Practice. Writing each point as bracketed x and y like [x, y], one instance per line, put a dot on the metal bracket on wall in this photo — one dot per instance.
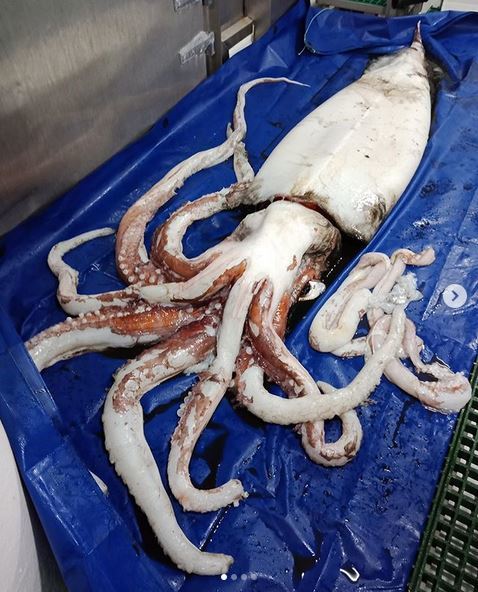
[182, 4]
[200, 44]
[238, 35]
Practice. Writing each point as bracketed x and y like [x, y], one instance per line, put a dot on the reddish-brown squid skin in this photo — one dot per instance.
[225, 279]
[106, 299]
[131, 256]
[162, 256]
[140, 319]
[310, 270]
[266, 340]
[183, 292]
[193, 340]
[169, 257]
[130, 453]
[173, 259]
[123, 325]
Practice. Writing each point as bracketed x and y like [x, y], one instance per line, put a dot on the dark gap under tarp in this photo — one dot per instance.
[301, 523]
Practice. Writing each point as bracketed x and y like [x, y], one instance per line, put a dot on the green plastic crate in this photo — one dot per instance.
[448, 556]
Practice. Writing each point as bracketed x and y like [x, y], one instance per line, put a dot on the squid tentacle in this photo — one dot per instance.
[284, 369]
[449, 393]
[129, 450]
[355, 347]
[242, 167]
[274, 357]
[206, 284]
[420, 259]
[383, 291]
[200, 405]
[311, 407]
[113, 327]
[67, 293]
[340, 452]
[166, 249]
[130, 251]
[336, 322]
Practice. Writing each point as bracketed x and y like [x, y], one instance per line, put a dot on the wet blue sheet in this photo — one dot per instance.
[301, 523]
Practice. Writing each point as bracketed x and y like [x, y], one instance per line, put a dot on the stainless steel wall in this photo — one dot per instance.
[79, 80]
[230, 11]
[265, 12]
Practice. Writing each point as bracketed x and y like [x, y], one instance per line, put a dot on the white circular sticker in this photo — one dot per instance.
[454, 295]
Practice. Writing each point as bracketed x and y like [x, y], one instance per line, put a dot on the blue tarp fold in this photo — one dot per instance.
[301, 523]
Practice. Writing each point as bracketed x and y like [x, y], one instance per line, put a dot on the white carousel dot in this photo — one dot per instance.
[131, 279]
[243, 577]
[233, 577]
[223, 577]
[142, 277]
[253, 576]
[151, 279]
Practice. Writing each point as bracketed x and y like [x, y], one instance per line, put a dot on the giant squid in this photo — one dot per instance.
[223, 313]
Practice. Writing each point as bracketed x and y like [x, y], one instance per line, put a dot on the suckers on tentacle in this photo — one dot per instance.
[111, 327]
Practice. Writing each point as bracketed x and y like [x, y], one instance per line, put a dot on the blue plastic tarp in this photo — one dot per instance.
[301, 523]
